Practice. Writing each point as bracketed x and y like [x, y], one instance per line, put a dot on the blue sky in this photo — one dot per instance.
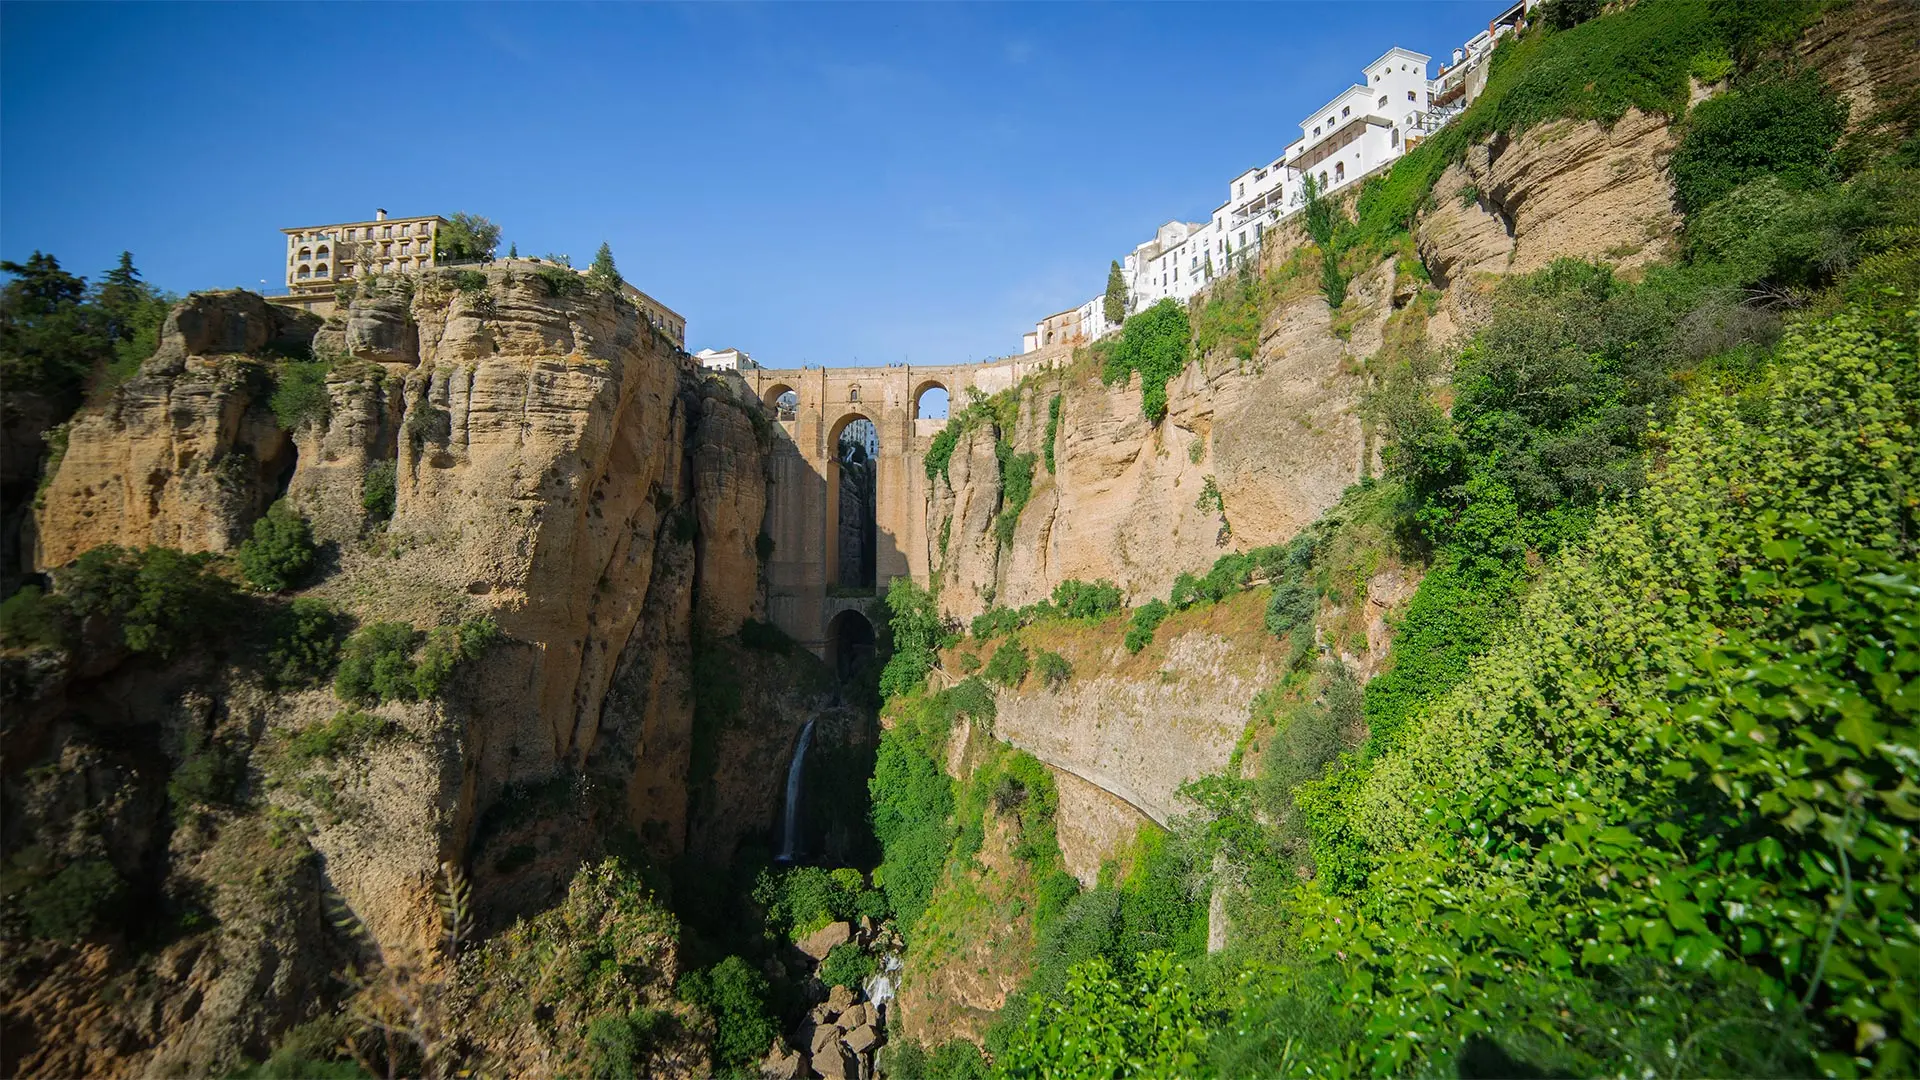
[812, 183]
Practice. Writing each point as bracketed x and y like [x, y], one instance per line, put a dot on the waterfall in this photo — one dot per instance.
[793, 793]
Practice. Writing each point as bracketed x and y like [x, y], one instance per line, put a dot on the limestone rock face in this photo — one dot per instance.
[183, 458]
[730, 499]
[1869, 54]
[1568, 189]
[226, 323]
[1278, 435]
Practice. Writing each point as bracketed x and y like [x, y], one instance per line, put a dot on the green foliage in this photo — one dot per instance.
[306, 643]
[912, 801]
[68, 903]
[376, 664]
[1227, 320]
[1682, 814]
[209, 772]
[470, 281]
[1009, 665]
[848, 965]
[914, 626]
[1016, 488]
[159, 598]
[50, 337]
[1114, 303]
[349, 732]
[940, 449]
[379, 491]
[1053, 429]
[466, 236]
[602, 275]
[734, 993]
[300, 393]
[1146, 619]
[280, 555]
[800, 900]
[1154, 344]
[561, 281]
[1768, 231]
[1103, 1025]
[29, 618]
[1325, 223]
[1054, 670]
[1077, 599]
[1785, 127]
[618, 1043]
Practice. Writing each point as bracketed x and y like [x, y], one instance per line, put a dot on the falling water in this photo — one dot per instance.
[793, 793]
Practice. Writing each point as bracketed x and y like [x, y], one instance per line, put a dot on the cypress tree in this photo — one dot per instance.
[1116, 304]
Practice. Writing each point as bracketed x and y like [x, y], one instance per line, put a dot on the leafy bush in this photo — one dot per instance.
[1053, 430]
[914, 626]
[1785, 127]
[617, 1043]
[1009, 665]
[466, 236]
[561, 282]
[29, 617]
[470, 281]
[1016, 488]
[379, 491]
[1146, 619]
[734, 993]
[306, 643]
[209, 772]
[69, 903]
[349, 732]
[300, 393]
[1082, 600]
[912, 805]
[376, 664]
[1291, 608]
[1054, 669]
[1152, 1021]
[159, 598]
[280, 554]
[448, 646]
[1154, 344]
[848, 965]
[940, 450]
[803, 899]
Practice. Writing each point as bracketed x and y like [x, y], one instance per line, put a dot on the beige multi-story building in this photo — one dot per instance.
[319, 257]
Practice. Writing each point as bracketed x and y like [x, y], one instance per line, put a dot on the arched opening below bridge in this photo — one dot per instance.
[854, 542]
[850, 644]
[782, 401]
[930, 401]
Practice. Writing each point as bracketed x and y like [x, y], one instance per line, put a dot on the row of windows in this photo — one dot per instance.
[386, 232]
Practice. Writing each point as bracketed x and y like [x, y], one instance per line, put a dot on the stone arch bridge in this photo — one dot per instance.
[805, 596]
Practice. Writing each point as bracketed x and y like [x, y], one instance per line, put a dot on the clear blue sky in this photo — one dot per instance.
[819, 183]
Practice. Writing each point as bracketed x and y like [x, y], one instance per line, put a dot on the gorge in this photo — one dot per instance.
[1502, 663]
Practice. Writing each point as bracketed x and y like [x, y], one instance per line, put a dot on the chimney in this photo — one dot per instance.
[380, 215]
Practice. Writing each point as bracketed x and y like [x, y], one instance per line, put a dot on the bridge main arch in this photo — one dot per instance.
[804, 593]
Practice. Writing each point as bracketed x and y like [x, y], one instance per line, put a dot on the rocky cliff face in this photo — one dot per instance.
[557, 466]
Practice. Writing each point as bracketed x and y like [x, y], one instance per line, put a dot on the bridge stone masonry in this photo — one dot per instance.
[806, 596]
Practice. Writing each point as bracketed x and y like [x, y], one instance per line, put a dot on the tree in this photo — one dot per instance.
[1116, 302]
[513, 251]
[467, 236]
[49, 337]
[131, 315]
[281, 552]
[602, 273]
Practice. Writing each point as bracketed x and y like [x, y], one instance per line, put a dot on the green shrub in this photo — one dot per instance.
[1146, 619]
[300, 393]
[914, 626]
[379, 491]
[349, 732]
[618, 1043]
[470, 281]
[912, 802]
[306, 643]
[29, 617]
[67, 904]
[848, 965]
[1054, 669]
[734, 993]
[209, 772]
[376, 664]
[1291, 608]
[1016, 488]
[448, 646]
[561, 281]
[1009, 665]
[1784, 126]
[940, 450]
[160, 598]
[1053, 430]
[1154, 343]
[280, 555]
[1080, 600]
[427, 423]
[801, 900]
[1152, 1020]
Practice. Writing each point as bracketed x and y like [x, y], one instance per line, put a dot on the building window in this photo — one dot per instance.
[305, 271]
[1346, 110]
[1393, 139]
[853, 392]
[1410, 97]
[1316, 133]
[386, 231]
[1329, 121]
[1339, 171]
[320, 271]
[1383, 101]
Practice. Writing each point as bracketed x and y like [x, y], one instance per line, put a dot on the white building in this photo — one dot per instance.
[724, 360]
[1361, 131]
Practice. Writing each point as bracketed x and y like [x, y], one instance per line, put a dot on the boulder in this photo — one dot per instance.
[782, 1063]
[822, 941]
[832, 1064]
[862, 1039]
[856, 1016]
[824, 1037]
[839, 999]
